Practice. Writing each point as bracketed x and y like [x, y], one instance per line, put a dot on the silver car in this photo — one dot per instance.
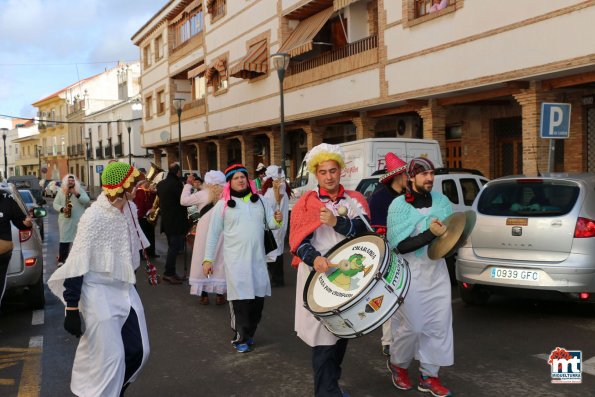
[25, 270]
[532, 233]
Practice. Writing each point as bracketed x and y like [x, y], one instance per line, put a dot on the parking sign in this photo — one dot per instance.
[555, 120]
[99, 169]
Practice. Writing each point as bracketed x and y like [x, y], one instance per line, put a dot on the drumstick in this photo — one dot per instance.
[358, 213]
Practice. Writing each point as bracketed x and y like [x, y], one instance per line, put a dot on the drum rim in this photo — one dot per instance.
[355, 299]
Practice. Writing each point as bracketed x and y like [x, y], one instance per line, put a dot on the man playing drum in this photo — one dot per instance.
[423, 324]
[393, 185]
[315, 228]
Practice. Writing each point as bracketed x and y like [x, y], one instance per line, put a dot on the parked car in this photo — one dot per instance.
[43, 183]
[535, 234]
[52, 188]
[29, 182]
[25, 270]
[460, 185]
[31, 204]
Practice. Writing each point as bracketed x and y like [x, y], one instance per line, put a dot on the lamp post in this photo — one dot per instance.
[178, 104]
[280, 63]
[87, 155]
[129, 146]
[39, 150]
[4, 131]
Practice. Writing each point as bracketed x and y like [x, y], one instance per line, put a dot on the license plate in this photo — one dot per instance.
[515, 274]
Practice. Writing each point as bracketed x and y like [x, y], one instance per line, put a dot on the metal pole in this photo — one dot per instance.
[129, 147]
[5, 160]
[179, 111]
[281, 74]
[39, 158]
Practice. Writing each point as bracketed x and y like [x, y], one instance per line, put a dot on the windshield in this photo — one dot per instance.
[368, 186]
[528, 198]
[27, 197]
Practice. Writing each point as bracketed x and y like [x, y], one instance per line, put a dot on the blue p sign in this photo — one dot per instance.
[555, 120]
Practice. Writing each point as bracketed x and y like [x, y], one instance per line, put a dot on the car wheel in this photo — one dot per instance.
[36, 297]
[474, 295]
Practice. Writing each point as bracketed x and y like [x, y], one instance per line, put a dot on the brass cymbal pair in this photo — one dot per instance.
[459, 226]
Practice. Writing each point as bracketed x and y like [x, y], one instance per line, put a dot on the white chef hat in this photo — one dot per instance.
[273, 172]
[215, 178]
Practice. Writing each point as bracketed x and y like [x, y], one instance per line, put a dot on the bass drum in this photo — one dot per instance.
[364, 287]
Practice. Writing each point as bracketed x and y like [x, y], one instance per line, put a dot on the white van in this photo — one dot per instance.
[365, 156]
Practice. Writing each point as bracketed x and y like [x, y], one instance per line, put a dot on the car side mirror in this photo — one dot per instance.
[39, 212]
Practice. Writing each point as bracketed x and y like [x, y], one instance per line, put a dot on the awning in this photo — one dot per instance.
[192, 73]
[184, 13]
[300, 40]
[338, 4]
[254, 64]
[219, 67]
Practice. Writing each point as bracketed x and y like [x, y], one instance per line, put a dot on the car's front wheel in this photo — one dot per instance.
[36, 296]
[474, 295]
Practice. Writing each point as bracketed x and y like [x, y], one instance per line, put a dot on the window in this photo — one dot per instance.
[425, 7]
[216, 75]
[160, 102]
[449, 189]
[148, 107]
[470, 189]
[188, 26]
[147, 55]
[199, 87]
[158, 47]
[216, 8]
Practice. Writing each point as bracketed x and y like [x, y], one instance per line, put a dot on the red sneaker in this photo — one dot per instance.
[432, 385]
[400, 377]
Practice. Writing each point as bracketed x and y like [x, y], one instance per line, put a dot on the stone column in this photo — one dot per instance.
[275, 146]
[434, 123]
[221, 153]
[365, 127]
[201, 157]
[535, 149]
[247, 142]
[314, 135]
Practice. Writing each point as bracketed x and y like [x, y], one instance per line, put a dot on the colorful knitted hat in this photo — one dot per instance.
[232, 169]
[324, 152]
[394, 166]
[117, 177]
[419, 165]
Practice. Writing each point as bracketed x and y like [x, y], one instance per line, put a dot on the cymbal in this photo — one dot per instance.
[455, 226]
[471, 217]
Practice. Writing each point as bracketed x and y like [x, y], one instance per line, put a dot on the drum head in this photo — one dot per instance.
[355, 263]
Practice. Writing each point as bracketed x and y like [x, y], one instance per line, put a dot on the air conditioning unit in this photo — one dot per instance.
[406, 127]
[259, 148]
[303, 141]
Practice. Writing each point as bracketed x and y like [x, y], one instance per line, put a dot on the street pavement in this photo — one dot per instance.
[499, 348]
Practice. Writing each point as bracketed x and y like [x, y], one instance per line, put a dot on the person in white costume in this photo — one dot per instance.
[205, 200]
[277, 192]
[422, 327]
[315, 229]
[241, 217]
[97, 281]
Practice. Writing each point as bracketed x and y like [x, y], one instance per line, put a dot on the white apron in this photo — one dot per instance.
[422, 327]
[99, 364]
[308, 328]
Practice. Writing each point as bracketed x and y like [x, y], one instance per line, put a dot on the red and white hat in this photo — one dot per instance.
[394, 166]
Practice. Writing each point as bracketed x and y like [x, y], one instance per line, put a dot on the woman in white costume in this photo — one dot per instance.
[277, 192]
[97, 281]
[205, 200]
[240, 217]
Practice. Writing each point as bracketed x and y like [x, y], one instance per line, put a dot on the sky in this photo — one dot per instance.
[47, 45]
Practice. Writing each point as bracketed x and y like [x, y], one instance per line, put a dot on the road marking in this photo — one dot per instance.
[38, 316]
[30, 380]
[588, 365]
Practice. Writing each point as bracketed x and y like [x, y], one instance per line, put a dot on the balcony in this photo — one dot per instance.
[108, 151]
[99, 153]
[118, 150]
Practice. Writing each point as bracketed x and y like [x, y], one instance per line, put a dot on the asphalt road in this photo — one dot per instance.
[500, 348]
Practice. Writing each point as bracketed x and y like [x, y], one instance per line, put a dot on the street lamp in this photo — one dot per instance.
[4, 130]
[129, 146]
[280, 63]
[39, 150]
[87, 155]
[178, 104]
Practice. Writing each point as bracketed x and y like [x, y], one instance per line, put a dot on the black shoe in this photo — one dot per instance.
[171, 279]
[153, 256]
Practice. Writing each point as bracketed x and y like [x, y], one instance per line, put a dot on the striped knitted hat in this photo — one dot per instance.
[117, 177]
[232, 169]
[419, 165]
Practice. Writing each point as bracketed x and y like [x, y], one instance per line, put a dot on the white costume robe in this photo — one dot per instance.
[308, 328]
[282, 231]
[198, 282]
[422, 327]
[105, 253]
[243, 246]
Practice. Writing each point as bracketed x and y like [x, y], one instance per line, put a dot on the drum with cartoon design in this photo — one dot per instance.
[364, 287]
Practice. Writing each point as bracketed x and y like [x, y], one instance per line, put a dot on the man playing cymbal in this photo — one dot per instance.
[423, 323]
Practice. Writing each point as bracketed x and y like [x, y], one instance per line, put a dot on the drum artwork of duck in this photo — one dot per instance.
[346, 269]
